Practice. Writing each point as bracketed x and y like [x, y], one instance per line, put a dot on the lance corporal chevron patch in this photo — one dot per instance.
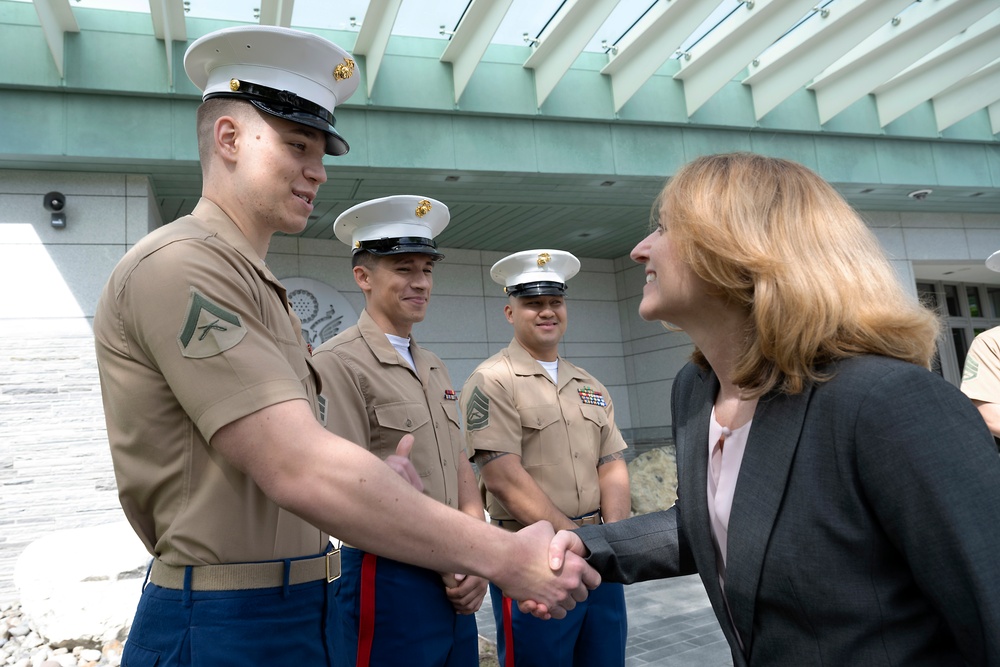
[209, 329]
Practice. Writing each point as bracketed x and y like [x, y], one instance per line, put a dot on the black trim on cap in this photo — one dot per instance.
[399, 245]
[541, 288]
[286, 104]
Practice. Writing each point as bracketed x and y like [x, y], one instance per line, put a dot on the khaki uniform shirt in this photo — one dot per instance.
[374, 398]
[194, 332]
[981, 376]
[511, 405]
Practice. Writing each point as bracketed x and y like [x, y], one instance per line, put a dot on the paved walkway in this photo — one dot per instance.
[670, 624]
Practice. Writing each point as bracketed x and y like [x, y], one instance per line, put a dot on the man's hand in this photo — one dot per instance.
[549, 592]
[565, 544]
[400, 462]
[466, 592]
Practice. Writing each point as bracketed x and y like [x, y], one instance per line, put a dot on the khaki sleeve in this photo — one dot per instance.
[981, 375]
[346, 408]
[196, 320]
[492, 423]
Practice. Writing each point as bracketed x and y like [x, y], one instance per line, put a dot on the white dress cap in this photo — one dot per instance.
[535, 272]
[287, 73]
[993, 261]
[393, 225]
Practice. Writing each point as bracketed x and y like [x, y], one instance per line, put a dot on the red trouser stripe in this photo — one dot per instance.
[508, 632]
[366, 624]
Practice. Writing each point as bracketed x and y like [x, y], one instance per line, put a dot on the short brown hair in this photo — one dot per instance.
[210, 111]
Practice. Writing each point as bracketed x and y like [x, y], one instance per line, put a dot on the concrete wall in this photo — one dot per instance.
[55, 471]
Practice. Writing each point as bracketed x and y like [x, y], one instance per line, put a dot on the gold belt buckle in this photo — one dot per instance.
[332, 563]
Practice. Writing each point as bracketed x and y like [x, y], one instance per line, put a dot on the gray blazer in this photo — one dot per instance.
[864, 528]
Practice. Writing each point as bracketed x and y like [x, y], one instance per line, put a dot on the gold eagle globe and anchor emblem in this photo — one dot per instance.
[423, 208]
[344, 70]
[543, 259]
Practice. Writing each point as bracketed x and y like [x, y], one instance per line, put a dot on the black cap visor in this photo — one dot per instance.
[288, 105]
[398, 246]
[543, 288]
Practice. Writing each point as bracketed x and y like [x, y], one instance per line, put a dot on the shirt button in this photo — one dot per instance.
[538, 421]
[409, 422]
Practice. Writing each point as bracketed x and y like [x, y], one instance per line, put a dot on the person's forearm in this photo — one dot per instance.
[365, 503]
[991, 415]
[616, 494]
[520, 495]
[527, 508]
[348, 492]
[469, 499]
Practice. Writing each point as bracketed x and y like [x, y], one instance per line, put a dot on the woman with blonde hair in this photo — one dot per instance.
[837, 498]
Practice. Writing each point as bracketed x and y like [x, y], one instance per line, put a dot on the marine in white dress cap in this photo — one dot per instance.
[535, 272]
[287, 73]
[393, 225]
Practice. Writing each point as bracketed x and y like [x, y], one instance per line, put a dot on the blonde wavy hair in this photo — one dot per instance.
[775, 238]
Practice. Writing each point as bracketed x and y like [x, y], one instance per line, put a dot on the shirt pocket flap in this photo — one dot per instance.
[406, 417]
[539, 416]
[451, 411]
[595, 414]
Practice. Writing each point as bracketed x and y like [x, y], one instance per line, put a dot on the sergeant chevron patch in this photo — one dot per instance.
[477, 412]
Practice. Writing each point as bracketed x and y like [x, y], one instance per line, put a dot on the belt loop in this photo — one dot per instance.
[330, 575]
[186, 595]
[286, 574]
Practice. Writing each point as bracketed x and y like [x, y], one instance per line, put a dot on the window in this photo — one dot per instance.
[972, 298]
[993, 296]
[951, 298]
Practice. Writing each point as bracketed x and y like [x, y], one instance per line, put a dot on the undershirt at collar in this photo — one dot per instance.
[402, 346]
[552, 368]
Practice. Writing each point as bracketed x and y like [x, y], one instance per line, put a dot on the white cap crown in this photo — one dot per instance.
[535, 272]
[393, 225]
[288, 73]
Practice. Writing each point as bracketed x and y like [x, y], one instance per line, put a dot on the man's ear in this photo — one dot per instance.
[509, 313]
[363, 277]
[227, 129]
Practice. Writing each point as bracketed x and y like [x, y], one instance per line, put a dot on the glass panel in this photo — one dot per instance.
[993, 296]
[961, 347]
[972, 294]
[951, 298]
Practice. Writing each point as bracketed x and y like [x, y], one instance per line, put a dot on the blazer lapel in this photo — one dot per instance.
[692, 474]
[767, 461]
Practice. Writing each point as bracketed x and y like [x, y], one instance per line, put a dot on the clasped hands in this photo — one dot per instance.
[549, 577]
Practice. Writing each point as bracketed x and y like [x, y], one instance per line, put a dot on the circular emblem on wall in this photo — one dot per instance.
[324, 311]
